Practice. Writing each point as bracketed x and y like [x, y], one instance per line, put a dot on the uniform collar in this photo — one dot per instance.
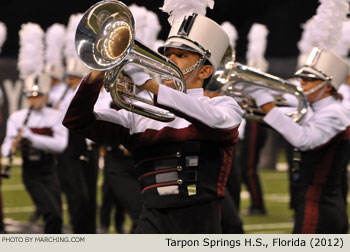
[323, 103]
[195, 92]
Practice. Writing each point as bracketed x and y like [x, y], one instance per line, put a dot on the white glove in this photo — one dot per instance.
[260, 95]
[137, 74]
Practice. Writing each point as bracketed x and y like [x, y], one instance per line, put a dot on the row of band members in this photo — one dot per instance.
[181, 176]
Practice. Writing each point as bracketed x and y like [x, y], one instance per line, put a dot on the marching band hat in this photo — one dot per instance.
[31, 60]
[200, 34]
[324, 65]
[36, 85]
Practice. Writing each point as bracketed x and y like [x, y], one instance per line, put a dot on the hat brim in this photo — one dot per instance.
[309, 72]
[33, 94]
[177, 45]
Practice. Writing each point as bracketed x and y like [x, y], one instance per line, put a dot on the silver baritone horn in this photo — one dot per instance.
[234, 77]
[105, 41]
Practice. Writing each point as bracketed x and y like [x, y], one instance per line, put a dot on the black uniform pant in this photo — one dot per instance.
[328, 216]
[45, 192]
[235, 178]
[2, 226]
[93, 155]
[345, 184]
[73, 178]
[292, 175]
[254, 139]
[201, 218]
[121, 182]
[109, 201]
[345, 188]
[230, 219]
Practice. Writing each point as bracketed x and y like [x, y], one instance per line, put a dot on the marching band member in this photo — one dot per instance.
[322, 138]
[254, 133]
[3, 34]
[37, 131]
[230, 219]
[234, 182]
[54, 41]
[304, 47]
[344, 90]
[322, 143]
[121, 185]
[343, 48]
[73, 162]
[183, 165]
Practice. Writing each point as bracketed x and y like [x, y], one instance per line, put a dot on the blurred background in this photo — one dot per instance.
[282, 18]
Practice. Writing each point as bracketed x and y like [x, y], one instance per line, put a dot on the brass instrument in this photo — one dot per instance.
[105, 41]
[234, 77]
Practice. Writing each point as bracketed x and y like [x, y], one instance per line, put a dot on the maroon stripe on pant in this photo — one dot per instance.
[225, 170]
[251, 162]
[313, 194]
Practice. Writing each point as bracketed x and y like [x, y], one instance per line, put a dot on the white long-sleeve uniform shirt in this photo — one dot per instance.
[56, 93]
[218, 114]
[344, 90]
[44, 130]
[102, 102]
[324, 120]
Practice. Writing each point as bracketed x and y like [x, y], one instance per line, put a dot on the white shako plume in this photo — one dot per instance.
[231, 32]
[324, 33]
[3, 34]
[69, 49]
[74, 65]
[305, 43]
[54, 49]
[147, 24]
[343, 46]
[180, 8]
[257, 42]
[31, 51]
[325, 28]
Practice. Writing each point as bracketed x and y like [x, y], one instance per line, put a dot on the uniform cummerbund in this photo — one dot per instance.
[179, 174]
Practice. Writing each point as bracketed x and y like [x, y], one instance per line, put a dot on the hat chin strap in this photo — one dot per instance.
[196, 66]
[313, 90]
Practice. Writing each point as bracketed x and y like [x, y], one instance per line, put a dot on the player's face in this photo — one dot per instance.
[308, 84]
[37, 102]
[183, 59]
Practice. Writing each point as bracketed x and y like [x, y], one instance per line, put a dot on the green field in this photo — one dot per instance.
[18, 205]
